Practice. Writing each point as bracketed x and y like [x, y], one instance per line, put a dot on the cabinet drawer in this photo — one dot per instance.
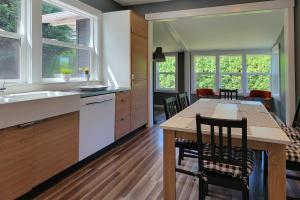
[122, 126]
[122, 104]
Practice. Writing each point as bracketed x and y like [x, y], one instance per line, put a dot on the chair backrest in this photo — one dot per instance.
[204, 92]
[296, 121]
[171, 107]
[183, 101]
[228, 94]
[221, 150]
[260, 94]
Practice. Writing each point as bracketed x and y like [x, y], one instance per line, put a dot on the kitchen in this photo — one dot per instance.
[68, 116]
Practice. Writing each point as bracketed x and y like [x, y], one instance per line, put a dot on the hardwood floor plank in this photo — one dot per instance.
[134, 171]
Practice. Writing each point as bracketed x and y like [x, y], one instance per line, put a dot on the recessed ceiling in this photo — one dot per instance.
[135, 2]
[258, 30]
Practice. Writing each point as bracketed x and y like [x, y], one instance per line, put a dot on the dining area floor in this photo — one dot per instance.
[134, 171]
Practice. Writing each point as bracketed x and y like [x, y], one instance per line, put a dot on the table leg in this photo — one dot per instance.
[277, 172]
[169, 165]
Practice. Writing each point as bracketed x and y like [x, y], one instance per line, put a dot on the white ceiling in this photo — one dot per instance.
[258, 30]
[135, 2]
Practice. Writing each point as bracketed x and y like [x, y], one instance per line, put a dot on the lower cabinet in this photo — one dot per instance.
[56, 142]
[122, 124]
[15, 161]
[32, 153]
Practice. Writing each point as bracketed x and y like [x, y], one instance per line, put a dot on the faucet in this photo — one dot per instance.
[2, 89]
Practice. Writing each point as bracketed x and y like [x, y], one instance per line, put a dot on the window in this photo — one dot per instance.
[231, 68]
[244, 70]
[166, 74]
[10, 40]
[205, 71]
[66, 41]
[259, 72]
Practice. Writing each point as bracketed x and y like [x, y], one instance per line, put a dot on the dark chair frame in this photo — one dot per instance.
[228, 94]
[183, 101]
[217, 141]
[172, 107]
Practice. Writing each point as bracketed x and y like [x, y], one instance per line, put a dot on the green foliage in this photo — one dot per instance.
[48, 8]
[169, 65]
[259, 82]
[231, 82]
[231, 63]
[205, 63]
[64, 70]
[206, 81]
[258, 63]
[9, 12]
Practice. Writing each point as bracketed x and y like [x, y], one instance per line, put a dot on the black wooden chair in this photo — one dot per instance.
[228, 94]
[220, 163]
[183, 101]
[187, 148]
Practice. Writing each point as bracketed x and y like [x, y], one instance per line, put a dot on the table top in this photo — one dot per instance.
[262, 126]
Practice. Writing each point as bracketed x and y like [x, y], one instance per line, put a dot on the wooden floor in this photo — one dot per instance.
[133, 171]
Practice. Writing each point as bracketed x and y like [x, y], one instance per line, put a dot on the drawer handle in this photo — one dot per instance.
[123, 100]
[122, 119]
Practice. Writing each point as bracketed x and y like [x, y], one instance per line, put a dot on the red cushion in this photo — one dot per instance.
[261, 94]
[204, 92]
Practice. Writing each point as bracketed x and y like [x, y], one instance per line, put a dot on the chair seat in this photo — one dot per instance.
[229, 169]
[293, 152]
[291, 132]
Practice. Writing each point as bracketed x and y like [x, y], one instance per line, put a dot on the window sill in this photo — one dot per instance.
[166, 91]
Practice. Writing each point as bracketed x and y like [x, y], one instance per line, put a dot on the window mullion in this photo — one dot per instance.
[244, 75]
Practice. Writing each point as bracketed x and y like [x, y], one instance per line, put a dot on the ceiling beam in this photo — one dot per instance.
[182, 45]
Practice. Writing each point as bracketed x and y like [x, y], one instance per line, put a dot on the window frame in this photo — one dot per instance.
[194, 74]
[20, 35]
[89, 47]
[156, 77]
[244, 75]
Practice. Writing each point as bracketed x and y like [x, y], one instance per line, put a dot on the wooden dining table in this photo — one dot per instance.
[263, 134]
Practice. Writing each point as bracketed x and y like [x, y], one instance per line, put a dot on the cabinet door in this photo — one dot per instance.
[122, 126]
[139, 102]
[15, 162]
[55, 146]
[139, 57]
[139, 25]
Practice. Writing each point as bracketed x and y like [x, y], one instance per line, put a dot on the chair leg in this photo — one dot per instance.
[180, 157]
[201, 189]
[245, 192]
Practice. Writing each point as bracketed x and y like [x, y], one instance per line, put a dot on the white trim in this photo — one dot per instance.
[156, 78]
[237, 8]
[65, 44]
[289, 38]
[150, 75]
[10, 35]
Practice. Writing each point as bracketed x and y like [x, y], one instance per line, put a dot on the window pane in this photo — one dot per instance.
[206, 81]
[168, 66]
[10, 14]
[259, 82]
[259, 63]
[64, 25]
[56, 58]
[231, 82]
[167, 81]
[9, 58]
[231, 63]
[205, 63]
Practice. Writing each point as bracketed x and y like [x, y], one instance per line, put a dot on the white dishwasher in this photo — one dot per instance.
[97, 124]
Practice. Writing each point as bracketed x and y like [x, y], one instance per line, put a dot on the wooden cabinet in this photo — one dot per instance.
[122, 124]
[139, 71]
[34, 152]
[126, 60]
[15, 161]
[56, 142]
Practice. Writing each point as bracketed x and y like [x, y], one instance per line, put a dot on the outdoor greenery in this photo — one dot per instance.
[9, 12]
[167, 73]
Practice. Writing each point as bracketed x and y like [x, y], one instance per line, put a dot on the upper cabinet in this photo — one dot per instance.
[125, 48]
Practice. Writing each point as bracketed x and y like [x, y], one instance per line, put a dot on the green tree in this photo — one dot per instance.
[9, 12]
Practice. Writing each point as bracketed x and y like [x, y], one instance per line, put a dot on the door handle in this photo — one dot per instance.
[98, 102]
